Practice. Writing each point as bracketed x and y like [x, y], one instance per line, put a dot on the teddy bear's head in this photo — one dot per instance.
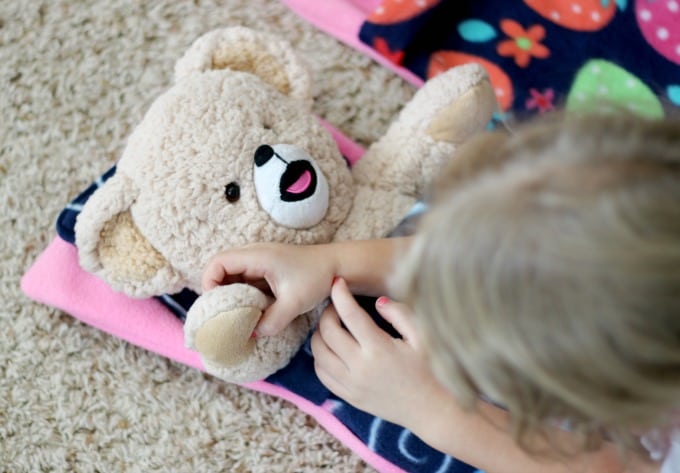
[231, 154]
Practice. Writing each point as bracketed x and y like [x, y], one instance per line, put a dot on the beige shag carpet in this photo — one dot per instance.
[75, 78]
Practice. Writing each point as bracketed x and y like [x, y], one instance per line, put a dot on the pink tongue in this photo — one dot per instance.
[301, 184]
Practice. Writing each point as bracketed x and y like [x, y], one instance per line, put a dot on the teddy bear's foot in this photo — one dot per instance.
[220, 327]
[235, 326]
[220, 323]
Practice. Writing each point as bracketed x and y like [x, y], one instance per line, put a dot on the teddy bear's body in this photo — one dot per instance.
[231, 155]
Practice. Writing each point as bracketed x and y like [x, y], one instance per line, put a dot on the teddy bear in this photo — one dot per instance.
[232, 154]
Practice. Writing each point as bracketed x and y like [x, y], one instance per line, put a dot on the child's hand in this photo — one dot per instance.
[299, 277]
[367, 367]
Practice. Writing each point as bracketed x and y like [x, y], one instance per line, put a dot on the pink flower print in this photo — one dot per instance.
[543, 102]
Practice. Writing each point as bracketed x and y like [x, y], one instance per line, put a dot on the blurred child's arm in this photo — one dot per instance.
[482, 438]
[365, 265]
[391, 379]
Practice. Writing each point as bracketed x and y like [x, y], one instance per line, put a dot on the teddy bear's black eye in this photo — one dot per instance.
[232, 192]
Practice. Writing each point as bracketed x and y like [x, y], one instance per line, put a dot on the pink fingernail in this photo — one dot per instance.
[382, 300]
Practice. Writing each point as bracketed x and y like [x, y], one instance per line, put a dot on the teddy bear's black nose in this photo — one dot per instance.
[263, 153]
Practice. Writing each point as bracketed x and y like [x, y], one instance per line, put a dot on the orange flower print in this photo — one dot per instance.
[524, 44]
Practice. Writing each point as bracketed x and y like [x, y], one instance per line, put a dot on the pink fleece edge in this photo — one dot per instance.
[57, 280]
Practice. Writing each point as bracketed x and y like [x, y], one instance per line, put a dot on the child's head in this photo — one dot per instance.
[547, 274]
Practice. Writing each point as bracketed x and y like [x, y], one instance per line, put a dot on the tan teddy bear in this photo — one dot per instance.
[230, 155]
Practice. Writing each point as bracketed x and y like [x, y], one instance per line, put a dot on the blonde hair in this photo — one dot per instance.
[546, 276]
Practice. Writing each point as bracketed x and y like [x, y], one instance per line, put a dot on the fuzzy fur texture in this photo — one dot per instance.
[238, 118]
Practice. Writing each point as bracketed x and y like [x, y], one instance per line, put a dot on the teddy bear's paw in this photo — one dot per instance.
[220, 327]
[227, 338]
[267, 355]
[220, 323]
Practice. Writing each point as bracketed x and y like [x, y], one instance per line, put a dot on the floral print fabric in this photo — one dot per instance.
[543, 54]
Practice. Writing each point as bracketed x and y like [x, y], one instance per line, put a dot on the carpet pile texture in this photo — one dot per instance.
[76, 76]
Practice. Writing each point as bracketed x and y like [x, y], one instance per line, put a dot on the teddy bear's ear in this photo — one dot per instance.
[111, 246]
[242, 49]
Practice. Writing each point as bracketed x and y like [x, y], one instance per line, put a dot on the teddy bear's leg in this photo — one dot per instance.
[220, 327]
[442, 115]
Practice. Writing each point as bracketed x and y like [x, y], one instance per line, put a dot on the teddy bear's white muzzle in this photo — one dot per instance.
[290, 186]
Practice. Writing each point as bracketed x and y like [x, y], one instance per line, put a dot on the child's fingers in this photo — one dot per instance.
[231, 266]
[400, 317]
[355, 318]
[328, 366]
[213, 275]
[277, 317]
[336, 337]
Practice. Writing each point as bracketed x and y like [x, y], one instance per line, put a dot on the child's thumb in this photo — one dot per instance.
[399, 316]
[275, 318]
